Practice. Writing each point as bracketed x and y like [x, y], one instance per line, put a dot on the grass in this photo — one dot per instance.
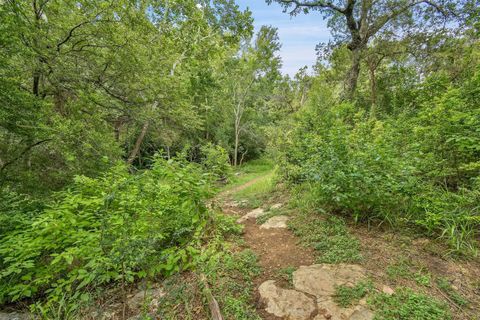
[403, 269]
[286, 274]
[249, 171]
[444, 285]
[346, 296]
[231, 278]
[330, 237]
[405, 304]
[255, 194]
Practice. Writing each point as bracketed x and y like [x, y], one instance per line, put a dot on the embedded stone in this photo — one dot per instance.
[387, 290]
[276, 206]
[286, 303]
[320, 279]
[252, 214]
[276, 222]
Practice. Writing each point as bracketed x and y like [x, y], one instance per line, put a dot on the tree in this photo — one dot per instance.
[251, 78]
[357, 22]
[78, 80]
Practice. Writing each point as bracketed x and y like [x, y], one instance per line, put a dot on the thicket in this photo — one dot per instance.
[417, 166]
[116, 228]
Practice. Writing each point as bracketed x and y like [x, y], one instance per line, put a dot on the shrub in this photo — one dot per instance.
[115, 228]
[215, 161]
[16, 210]
[418, 168]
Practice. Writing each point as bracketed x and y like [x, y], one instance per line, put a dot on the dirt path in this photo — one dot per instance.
[281, 256]
[229, 192]
[277, 250]
[292, 287]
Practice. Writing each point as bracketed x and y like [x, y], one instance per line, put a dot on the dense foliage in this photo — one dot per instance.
[413, 160]
[118, 120]
[114, 228]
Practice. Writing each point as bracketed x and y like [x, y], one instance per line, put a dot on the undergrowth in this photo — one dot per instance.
[405, 304]
[346, 296]
[229, 274]
[286, 274]
[444, 285]
[329, 236]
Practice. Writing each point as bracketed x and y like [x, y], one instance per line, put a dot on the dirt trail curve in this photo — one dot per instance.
[309, 293]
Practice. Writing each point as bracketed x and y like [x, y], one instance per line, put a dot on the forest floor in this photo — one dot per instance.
[315, 266]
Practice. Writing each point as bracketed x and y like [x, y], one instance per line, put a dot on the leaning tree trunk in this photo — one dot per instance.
[138, 143]
[352, 76]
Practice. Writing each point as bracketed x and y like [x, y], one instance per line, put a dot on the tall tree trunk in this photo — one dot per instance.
[352, 76]
[138, 143]
[237, 139]
[36, 83]
[117, 125]
[373, 92]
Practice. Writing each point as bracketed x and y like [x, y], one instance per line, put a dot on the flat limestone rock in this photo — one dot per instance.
[329, 310]
[252, 214]
[275, 223]
[362, 313]
[320, 279]
[286, 303]
[15, 316]
[317, 279]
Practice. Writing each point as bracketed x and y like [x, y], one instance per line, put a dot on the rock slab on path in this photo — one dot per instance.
[289, 304]
[276, 222]
[319, 281]
[252, 214]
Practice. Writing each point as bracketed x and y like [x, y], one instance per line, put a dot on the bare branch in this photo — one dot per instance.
[312, 4]
[6, 164]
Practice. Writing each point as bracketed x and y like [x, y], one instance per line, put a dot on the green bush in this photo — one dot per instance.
[215, 160]
[16, 210]
[417, 168]
[119, 227]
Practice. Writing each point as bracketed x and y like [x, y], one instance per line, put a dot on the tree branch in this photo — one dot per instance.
[6, 164]
[311, 4]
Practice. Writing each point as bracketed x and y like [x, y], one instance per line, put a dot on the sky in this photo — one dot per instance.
[299, 35]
